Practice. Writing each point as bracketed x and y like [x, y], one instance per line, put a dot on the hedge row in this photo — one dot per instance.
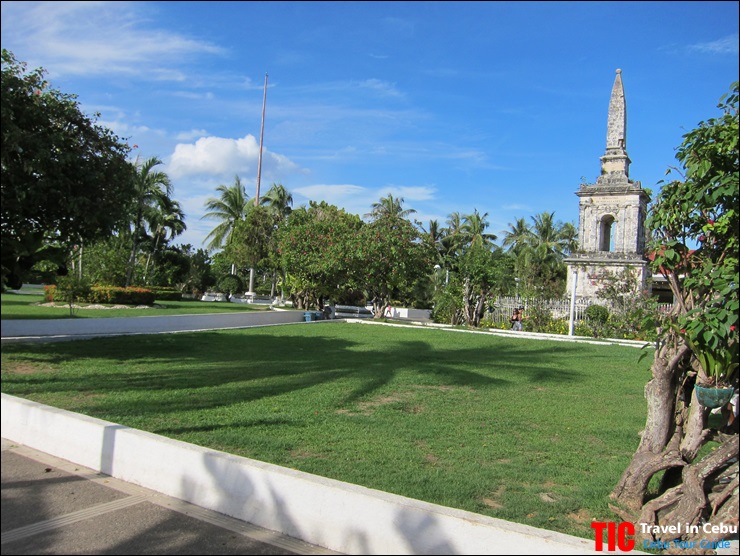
[166, 294]
[101, 294]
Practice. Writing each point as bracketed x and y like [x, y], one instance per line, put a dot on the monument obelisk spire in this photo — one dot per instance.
[615, 163]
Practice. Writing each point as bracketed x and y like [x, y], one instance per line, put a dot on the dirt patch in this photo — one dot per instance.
[595, 440]
[548, 497]
[26, 368]
[492, 504]
[367, 407]
[304, 454]
[492, 501]
[581, 516]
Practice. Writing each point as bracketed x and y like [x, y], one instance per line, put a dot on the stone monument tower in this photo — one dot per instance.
[611, 227]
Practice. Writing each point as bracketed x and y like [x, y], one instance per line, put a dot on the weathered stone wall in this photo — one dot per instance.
[627, 206]
[589, 271]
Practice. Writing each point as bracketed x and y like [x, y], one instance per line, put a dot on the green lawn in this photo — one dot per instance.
[29, 306]
[536, 432]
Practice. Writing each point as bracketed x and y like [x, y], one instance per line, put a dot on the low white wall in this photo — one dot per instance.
[343, 517]
[407, 313]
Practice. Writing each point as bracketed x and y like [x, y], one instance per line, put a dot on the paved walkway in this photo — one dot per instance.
[52, 506]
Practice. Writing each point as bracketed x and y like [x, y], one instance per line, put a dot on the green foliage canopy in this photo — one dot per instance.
[318, 249]
[64, 178]
[702, 209]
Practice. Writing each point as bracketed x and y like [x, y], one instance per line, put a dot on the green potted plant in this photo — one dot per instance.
[713, 339]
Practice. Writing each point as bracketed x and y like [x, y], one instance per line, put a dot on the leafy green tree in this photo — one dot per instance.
[699, 209]
[319, 251]
[252, 242]
[200, 276]
[64, 178]
[392, 259]
[106, 261]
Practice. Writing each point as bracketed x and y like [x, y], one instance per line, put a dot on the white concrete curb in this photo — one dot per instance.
[513, 334]
[340, 516]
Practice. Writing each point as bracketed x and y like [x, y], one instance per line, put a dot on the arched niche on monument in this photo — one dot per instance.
[606, 239]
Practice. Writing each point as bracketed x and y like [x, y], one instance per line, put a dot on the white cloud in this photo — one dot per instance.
[214, 156]
[334, 194]
[192, 134]
[725, 45]
[517, 207]
[220, 156]
[409, 193]
[109, 38]
[383, 88]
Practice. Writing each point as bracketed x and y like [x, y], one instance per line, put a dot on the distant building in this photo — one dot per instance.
[611, 227]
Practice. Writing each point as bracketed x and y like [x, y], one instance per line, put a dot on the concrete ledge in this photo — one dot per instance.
[340, 516]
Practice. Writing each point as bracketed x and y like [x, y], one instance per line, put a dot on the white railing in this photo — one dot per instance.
[559, 308]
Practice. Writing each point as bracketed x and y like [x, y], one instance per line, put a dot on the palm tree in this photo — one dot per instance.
[548, 237]
[231, 207]
[517, 237]
[473, 230]
[547, 244]
[278, 200]
[569, 234]
[453, 239]
[168, 219]
[151, 187]
[389, 206]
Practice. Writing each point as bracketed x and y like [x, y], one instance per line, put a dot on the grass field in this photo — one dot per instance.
[30, 306]
[536, 432]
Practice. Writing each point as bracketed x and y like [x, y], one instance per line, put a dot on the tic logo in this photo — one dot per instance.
[616, 535]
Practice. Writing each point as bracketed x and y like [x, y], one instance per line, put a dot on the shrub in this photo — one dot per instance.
[70, 290]
[230, 284]
[537, 319]
[597, 313]
[166, 294]
[121, 296]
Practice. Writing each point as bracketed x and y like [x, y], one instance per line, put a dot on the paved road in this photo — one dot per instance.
[75, 329]
[52, 506]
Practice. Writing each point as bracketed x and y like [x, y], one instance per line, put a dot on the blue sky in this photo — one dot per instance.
[453, 106]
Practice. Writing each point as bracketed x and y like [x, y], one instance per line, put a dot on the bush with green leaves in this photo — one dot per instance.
[230, 284]
[597, 313]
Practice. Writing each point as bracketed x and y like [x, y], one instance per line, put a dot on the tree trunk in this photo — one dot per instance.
[674, 433]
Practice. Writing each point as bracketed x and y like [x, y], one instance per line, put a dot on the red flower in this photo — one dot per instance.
[732, 328]
[710, 221]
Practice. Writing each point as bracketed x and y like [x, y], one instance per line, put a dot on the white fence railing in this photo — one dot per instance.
[559, 308]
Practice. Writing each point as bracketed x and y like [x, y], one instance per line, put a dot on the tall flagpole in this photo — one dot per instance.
[259, 175]
[262, 134]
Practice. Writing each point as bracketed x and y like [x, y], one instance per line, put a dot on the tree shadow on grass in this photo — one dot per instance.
[194, 371]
